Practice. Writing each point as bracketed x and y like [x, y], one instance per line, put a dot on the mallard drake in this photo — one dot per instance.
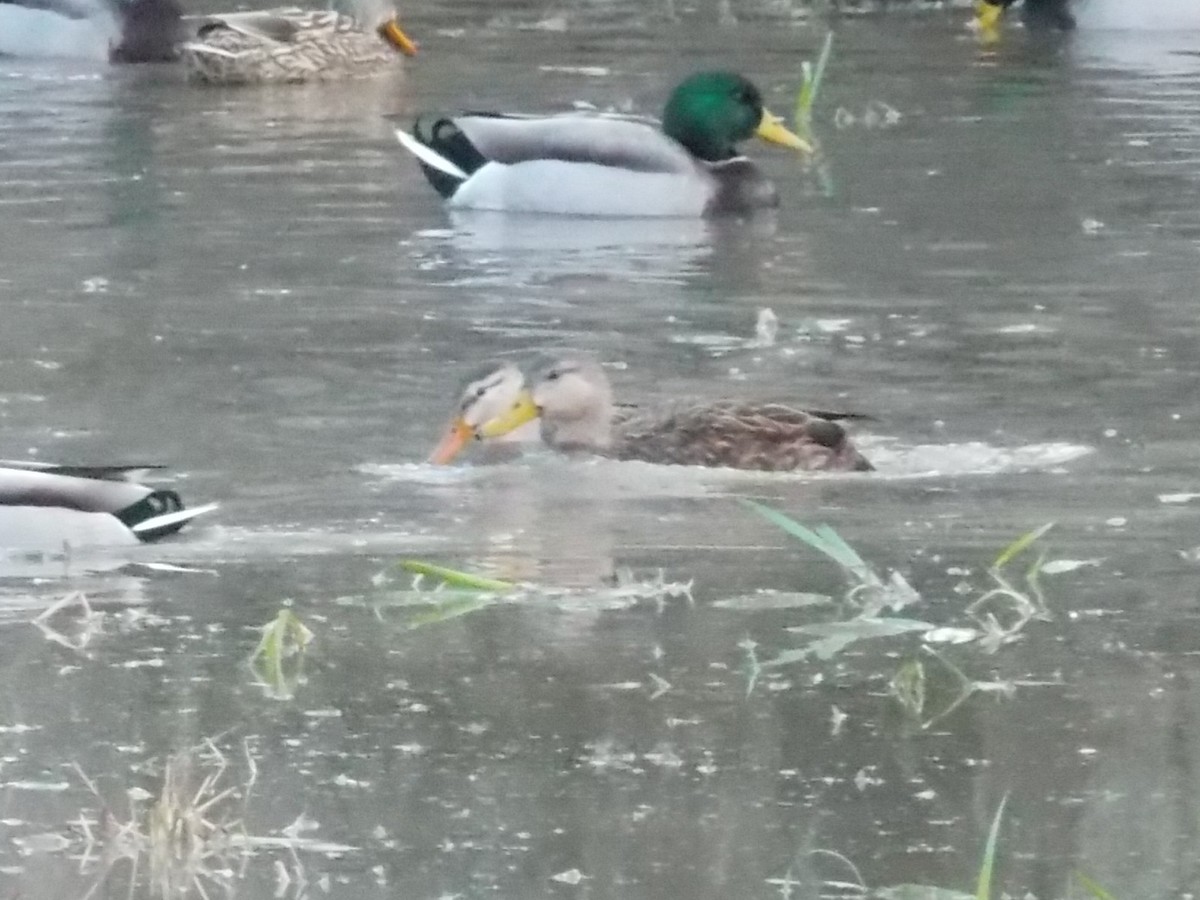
[126, 31]
[1043, 13]
[105, 503]
[572, 397]
[608, 165]
[294, 45]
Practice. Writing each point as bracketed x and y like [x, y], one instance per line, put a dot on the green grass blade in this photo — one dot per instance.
[819, 72]
[804, 98]
[1016, 547]
[983, 889]
[822, 539]
[1092, 888]
[454, 578]
[452, 608]
[792, 527]
[847, 555]
[810, 85]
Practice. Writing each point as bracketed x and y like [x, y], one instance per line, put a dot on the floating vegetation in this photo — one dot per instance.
[83, 627]
[456, 593]
[869, 594]
[995, 617]
[278, 660]
[1092, 888]
[191, 834]
[453, 577]
[185, 833]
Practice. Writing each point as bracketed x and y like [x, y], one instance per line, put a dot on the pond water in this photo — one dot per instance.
[996, 258]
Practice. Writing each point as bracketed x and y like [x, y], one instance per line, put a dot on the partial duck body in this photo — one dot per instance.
[293, 45]
[284, 45]
[45, 506]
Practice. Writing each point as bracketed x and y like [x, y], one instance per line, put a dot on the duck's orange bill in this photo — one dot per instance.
[394, 35]
[456, 437]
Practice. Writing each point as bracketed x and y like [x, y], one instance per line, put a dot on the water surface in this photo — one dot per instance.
[257, 288]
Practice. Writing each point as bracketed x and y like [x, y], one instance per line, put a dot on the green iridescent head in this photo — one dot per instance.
[710, 113]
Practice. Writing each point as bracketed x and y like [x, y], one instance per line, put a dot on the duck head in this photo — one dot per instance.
[380, 15]
[572, 397]
[488, 393]
[710, 113]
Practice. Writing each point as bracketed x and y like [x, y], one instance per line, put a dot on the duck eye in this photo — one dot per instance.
[480, 391]
[553, 375]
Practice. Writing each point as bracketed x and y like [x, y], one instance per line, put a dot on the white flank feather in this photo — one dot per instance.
[429, 157]
[171, 518]
[584, 189]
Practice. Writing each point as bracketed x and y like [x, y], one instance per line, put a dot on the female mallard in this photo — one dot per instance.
[608, 165]
[294, 45]
[52, 505]
[572, 397]
[277, 45]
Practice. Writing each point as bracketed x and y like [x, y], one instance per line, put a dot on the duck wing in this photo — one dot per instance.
[105, 472]
[739, 435]
[277, 26]
[625, 142]
[451, 148]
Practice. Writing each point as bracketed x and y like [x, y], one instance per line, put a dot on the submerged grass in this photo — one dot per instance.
[996, 616]
[1094, 890]
[278, 660]
[455, 578]
[185, 833]
[190, 836]
[983, 888]
[456, 593]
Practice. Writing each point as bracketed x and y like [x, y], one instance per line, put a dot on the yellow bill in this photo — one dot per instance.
[524, 410]
[457, 435]
[772, 130]
[987, 18]
[391, 32]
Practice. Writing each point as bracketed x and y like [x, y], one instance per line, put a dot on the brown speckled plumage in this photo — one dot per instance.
[573, 398]
[738, 435]
[285, 46]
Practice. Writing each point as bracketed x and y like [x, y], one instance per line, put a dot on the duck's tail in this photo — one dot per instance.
[159, 514]
[447, 156]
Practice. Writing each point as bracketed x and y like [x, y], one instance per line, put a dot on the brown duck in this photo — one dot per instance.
[572, 397]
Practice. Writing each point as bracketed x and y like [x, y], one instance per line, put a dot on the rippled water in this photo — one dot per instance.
[257, 288]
